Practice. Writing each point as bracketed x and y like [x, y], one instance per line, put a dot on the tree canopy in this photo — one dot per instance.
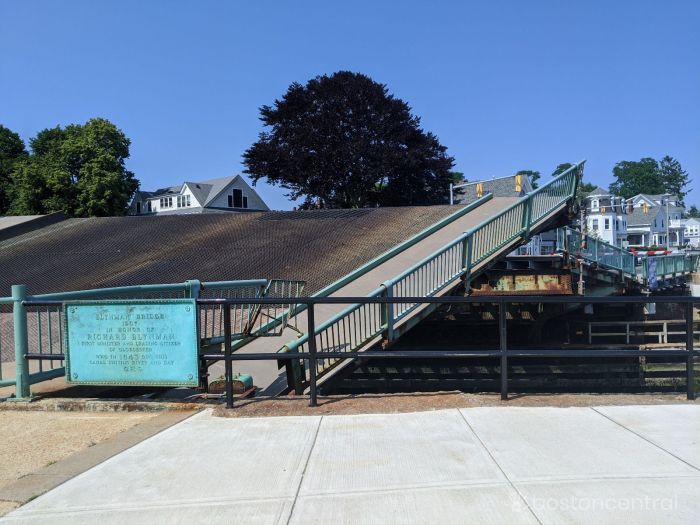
[78, 169]
[561, 168]
[693, 212]
[533, 175]
[650, 176]
[342, 141]
[12, 150]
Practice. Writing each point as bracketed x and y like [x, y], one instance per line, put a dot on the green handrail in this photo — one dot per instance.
[595, 251]
[356, 325]
[54, 328]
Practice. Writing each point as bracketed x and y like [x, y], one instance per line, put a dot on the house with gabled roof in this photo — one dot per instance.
[657, 220]
[224, 194]
[606, 216]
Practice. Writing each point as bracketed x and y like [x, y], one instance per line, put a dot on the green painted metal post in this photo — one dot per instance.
[527, 217]
[19, 319]
[193, 288]
[387, 313]
[467, 262]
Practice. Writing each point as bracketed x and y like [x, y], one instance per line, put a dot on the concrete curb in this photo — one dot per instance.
[101, 405]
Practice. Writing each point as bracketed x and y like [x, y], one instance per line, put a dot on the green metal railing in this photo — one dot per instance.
[596, 251]
[357, 325]
[39, 330]
[606, 255]
[668, 266]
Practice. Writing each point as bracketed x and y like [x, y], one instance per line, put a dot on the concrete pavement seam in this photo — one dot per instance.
[471, 429]
[303, 472]
[645, 439]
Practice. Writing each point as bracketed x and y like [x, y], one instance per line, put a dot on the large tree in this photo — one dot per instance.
[12, 151]
[693, 212]
[674, 177]
[650, 176]
[634, 177]
[342, 141]
[78, 169]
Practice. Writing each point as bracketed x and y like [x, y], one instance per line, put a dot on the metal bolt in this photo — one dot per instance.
[189, 376]
[75, 376]
[187, 308]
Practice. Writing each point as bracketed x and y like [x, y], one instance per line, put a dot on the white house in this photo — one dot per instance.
[606, 217]
[663, 215]
[691, 232]
[214, 195]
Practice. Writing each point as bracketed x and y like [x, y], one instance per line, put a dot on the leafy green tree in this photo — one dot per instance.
[584, 189]
[634, 177]
[342, 141]
[457, 177]
[650, 176]
[533, 175]
[78, 169]
[674, 177]
[12, 151]
[693, 212]
[561, 168]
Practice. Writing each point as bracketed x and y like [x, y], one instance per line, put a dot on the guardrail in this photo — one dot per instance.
[607, 255]
[314, 354]
[361, 323]
[596, 251]
[666, 266]
[34, 324]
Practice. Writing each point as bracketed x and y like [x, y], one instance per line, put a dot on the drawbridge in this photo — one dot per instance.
[647, 273]
[431, 264]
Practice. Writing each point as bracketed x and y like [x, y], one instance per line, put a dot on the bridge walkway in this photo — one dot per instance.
[266, 373]
[431, 265]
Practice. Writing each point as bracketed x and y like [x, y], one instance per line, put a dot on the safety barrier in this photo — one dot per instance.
[605, 255]
[314, 355]
[359, 324]
[37, 330]
[595, 251]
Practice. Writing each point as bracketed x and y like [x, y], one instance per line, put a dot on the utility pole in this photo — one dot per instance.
[668, 227]
[583, 245]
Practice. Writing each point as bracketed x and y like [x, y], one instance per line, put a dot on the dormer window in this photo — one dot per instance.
[595, 203]
[235, 200]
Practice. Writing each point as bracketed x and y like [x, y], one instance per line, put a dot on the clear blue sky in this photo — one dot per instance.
[505, 85]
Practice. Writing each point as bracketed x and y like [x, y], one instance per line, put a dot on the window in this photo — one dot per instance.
[595, 203]
[237, 199]
[138, 207]
[230, 201]
[607, 224]
[150, 206]
[245, 201]
[166, 202]
[183, 200]
[595, 224]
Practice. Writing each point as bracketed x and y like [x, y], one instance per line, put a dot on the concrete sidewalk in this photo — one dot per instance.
[632, 464]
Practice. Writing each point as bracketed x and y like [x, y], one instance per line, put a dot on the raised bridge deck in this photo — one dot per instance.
[429, 265]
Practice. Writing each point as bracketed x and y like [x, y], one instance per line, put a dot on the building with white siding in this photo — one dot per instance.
[215, 195]
[606, 217]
